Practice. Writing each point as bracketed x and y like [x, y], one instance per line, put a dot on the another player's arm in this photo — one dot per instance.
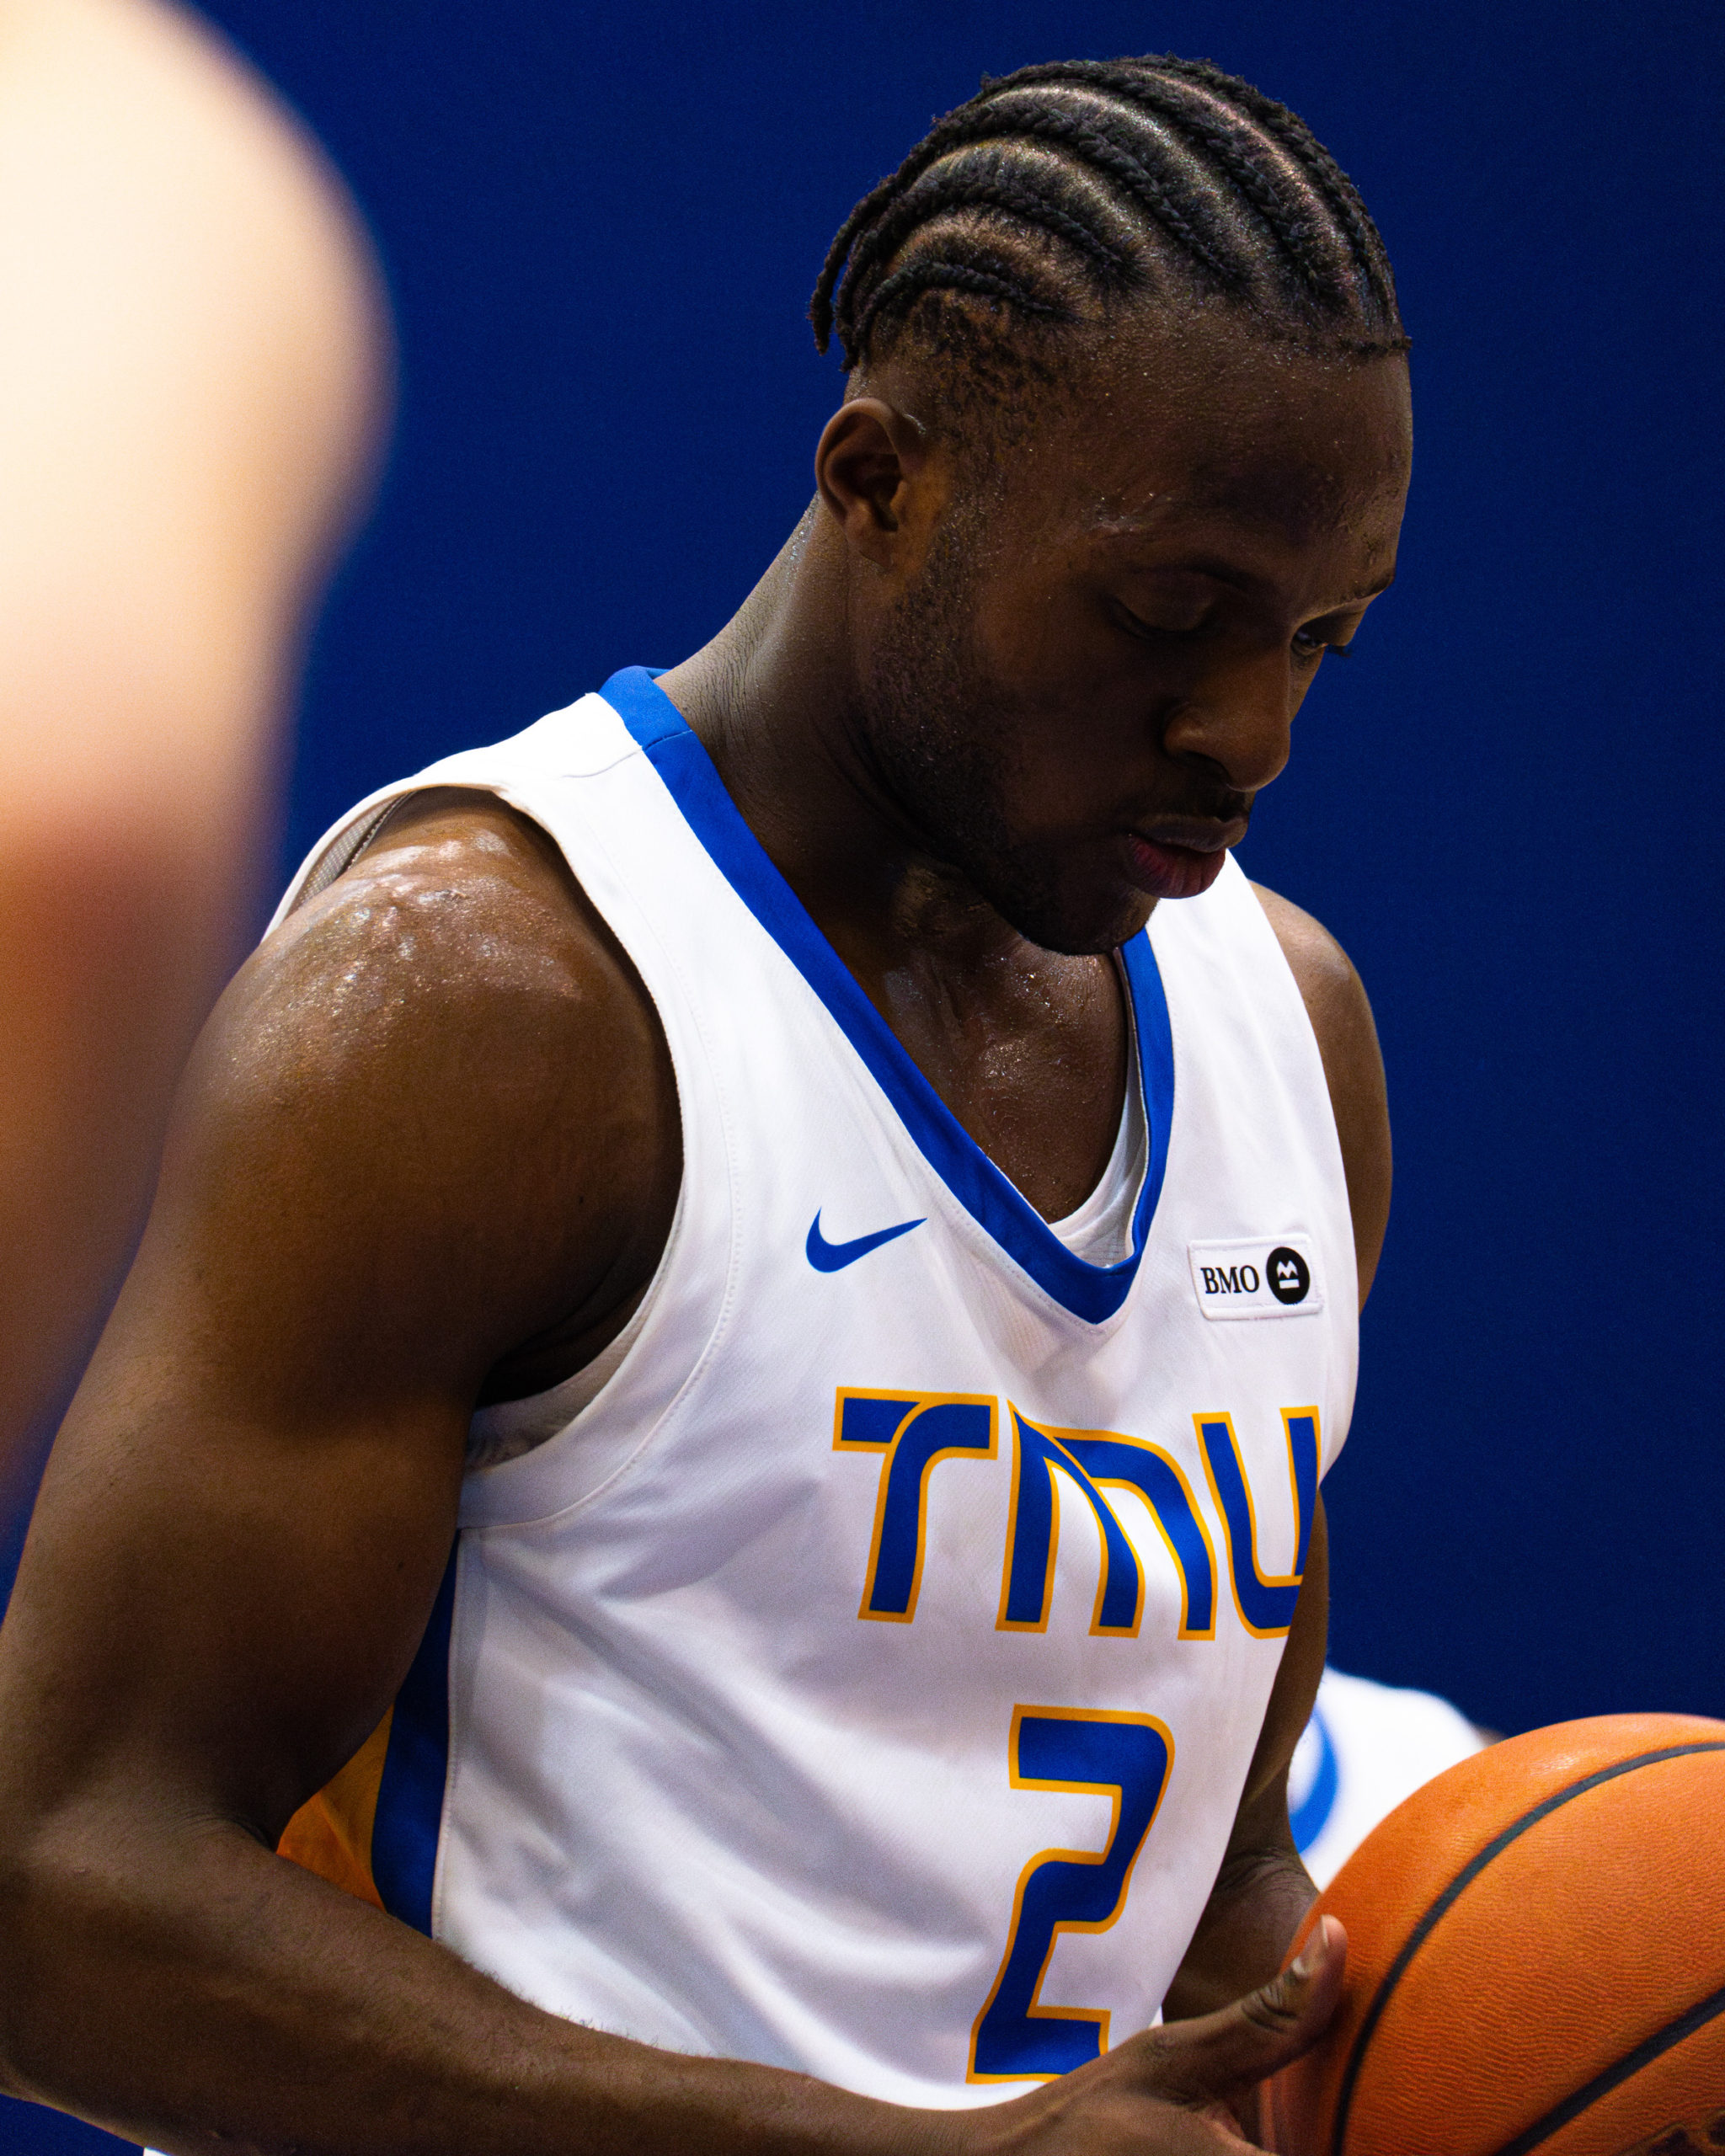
[190, 382]
[1263, 1889]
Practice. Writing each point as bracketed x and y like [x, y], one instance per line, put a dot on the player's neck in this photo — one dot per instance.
[1016, 1040]
[773, 702]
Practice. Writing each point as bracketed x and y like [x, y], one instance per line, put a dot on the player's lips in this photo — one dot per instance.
[1181, 857]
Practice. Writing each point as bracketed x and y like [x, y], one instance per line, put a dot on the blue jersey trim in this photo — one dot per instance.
[415, 1767]
[1092, 1292]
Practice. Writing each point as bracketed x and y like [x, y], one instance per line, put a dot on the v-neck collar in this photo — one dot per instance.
[1091, 1292]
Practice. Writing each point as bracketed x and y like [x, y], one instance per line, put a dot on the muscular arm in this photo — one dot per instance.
[431, 1122]
[1263, 1890]
[1341, 1017]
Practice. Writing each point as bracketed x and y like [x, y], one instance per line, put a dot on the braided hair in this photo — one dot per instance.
[1063, 191]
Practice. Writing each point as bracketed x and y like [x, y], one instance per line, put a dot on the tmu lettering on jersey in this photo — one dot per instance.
[1125, 1755]
[916, 1431]
[1088, 1460]
[1265, 1604]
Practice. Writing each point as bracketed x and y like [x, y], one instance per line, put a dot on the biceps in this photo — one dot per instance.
[221, 1613]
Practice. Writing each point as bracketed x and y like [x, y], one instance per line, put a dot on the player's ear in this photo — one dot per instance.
[871, 466]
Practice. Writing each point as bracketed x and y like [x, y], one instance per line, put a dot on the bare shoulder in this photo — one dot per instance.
[1340, 1011]
[441, 1087]
[459, 906]
[458, 959]
[1323, 970]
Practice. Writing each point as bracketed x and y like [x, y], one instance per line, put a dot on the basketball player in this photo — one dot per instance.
[816, 1175]
[189, 394]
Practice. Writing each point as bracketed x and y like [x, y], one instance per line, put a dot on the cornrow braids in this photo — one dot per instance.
[932, 275]
[1280, 213]
[1092, 145]
[1290, 132]
[1061, 190]
[989, 181]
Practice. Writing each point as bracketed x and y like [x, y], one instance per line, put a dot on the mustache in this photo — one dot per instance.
[1209, 805]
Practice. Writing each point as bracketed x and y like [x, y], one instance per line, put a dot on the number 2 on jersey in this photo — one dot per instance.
[1127, 1757]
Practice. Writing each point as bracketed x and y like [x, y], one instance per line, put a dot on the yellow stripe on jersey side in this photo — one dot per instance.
[331, 1834]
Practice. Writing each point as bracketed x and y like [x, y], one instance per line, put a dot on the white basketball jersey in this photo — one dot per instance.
[865, 1681]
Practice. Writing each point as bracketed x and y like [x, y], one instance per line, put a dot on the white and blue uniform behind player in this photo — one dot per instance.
[1366, 1747]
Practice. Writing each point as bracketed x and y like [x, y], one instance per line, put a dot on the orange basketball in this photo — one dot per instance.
[1535, 1958]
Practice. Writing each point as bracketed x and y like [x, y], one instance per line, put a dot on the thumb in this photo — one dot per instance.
[1220, 2055]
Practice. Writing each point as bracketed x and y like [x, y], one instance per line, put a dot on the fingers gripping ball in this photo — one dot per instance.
[1536, 1958]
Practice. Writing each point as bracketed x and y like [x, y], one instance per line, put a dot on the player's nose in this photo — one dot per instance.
[1236, 721]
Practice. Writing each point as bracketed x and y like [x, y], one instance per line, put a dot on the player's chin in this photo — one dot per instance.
[1078, 917]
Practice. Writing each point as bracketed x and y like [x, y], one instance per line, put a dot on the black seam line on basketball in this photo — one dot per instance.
[1572, 2107]
[1457, 1885]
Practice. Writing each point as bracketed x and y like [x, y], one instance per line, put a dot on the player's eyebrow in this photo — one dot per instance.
[1368, 590]
[1219, 569]
[1242, 579]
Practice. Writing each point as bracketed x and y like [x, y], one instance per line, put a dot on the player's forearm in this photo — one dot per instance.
[1244, 1934]
[199, 1993]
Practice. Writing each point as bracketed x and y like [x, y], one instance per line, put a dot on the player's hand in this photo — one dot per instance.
[1180, 2090]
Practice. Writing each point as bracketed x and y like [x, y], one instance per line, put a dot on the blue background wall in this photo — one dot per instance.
[601, 225]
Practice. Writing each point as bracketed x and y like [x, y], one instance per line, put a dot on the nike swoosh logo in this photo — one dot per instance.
[833, 1257]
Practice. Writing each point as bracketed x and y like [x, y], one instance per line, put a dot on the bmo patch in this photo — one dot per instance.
[1266, 1277]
